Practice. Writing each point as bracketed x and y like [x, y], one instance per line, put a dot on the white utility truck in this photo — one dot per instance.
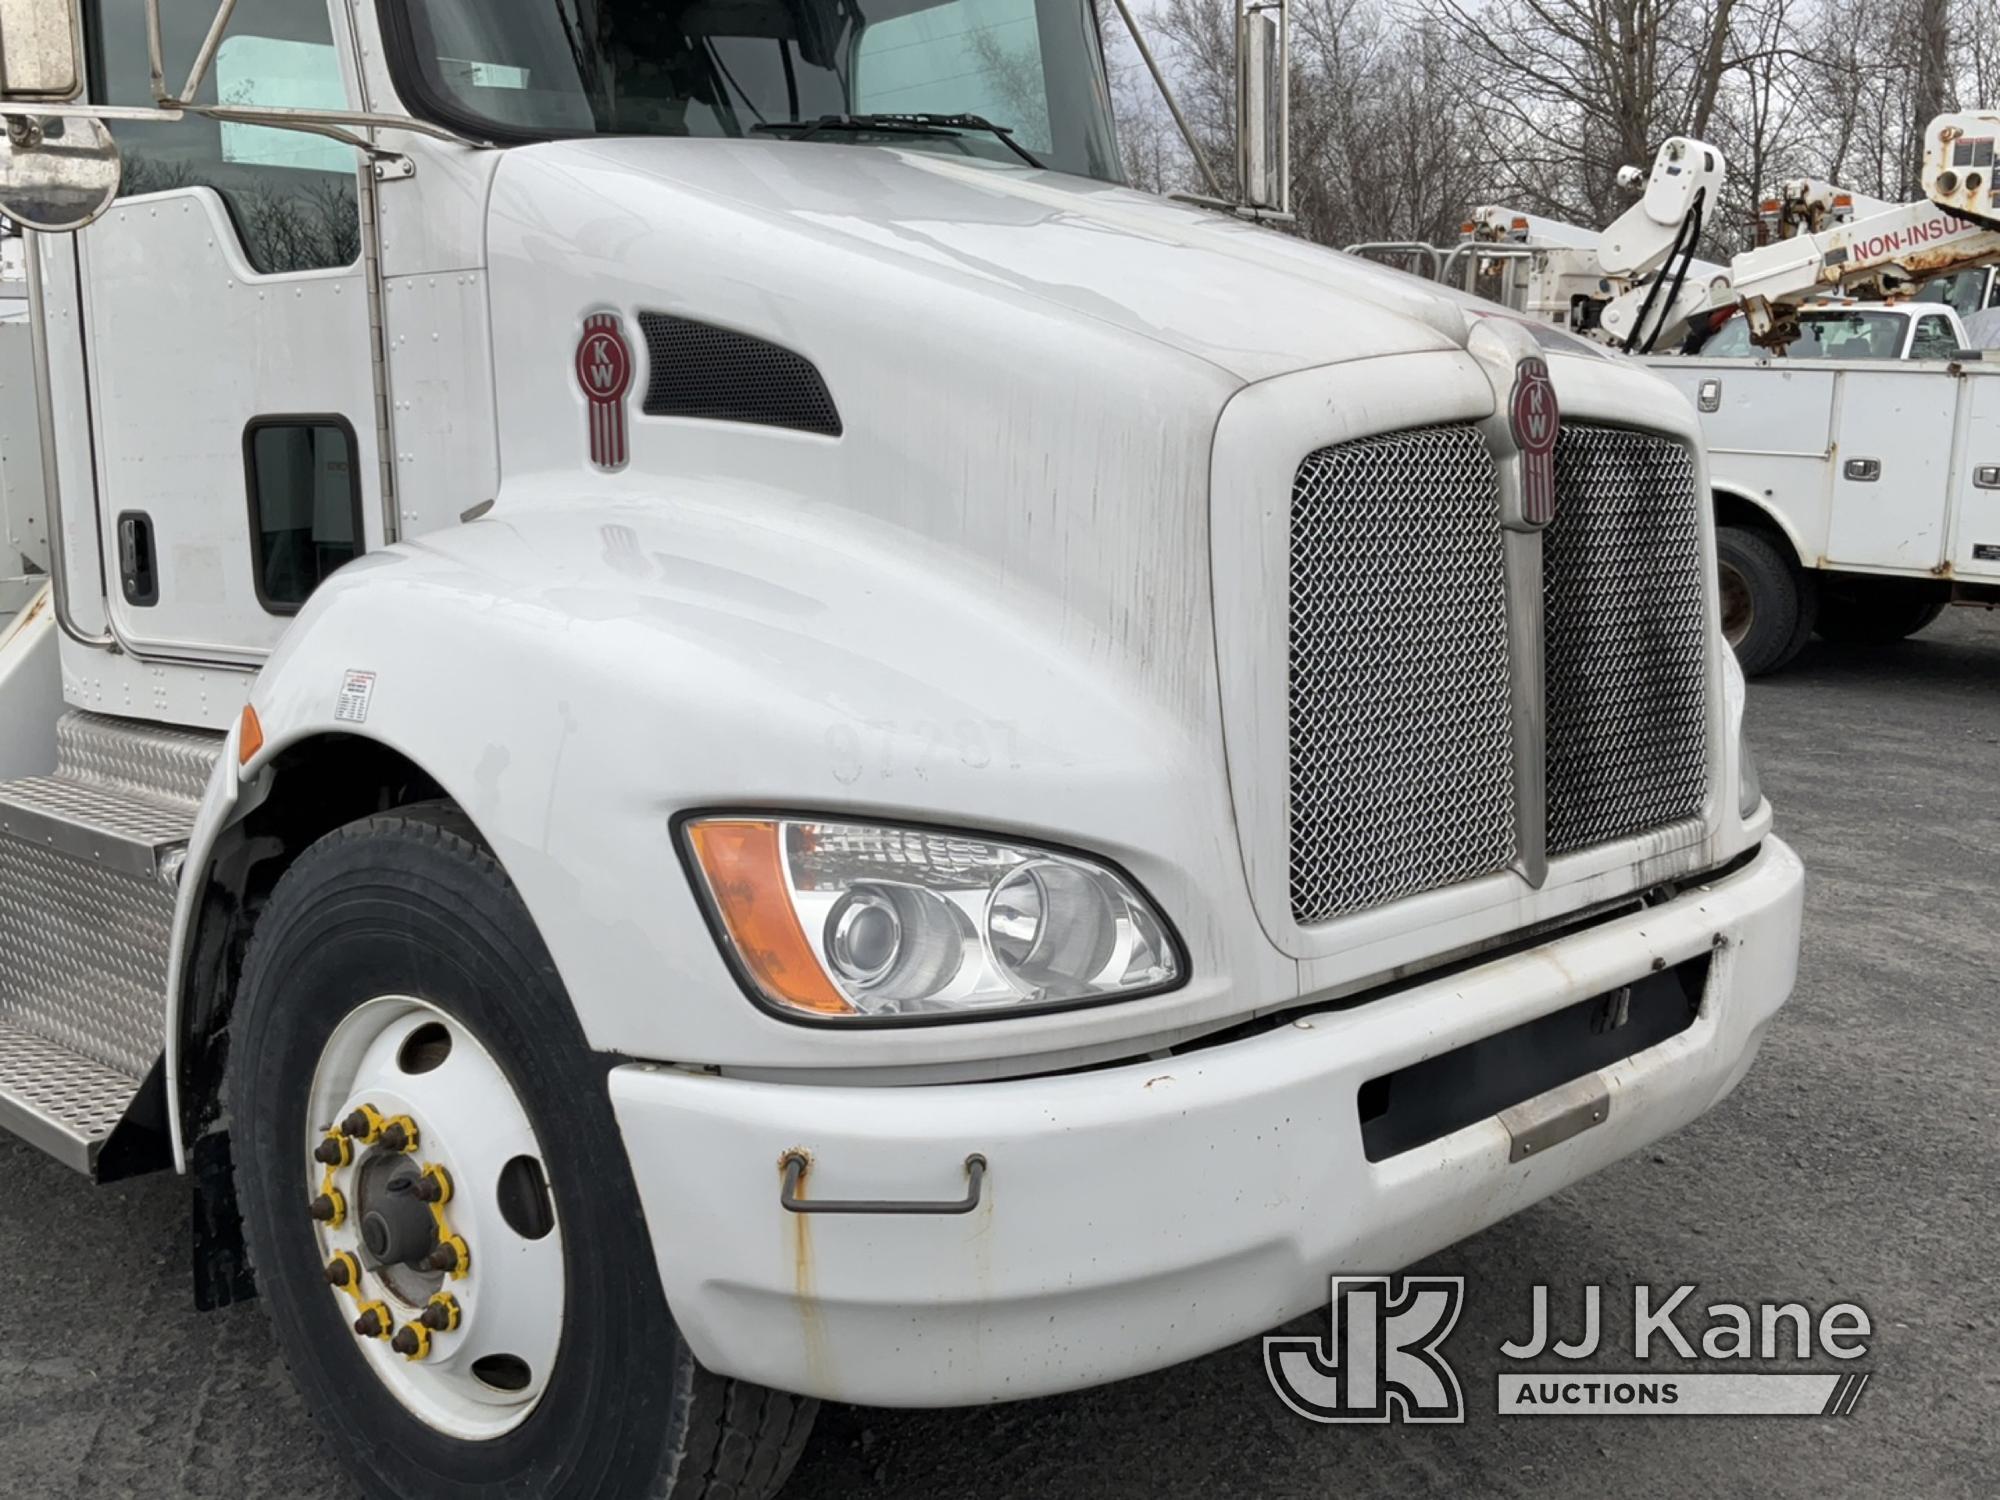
[714, 727]
[1856, 464]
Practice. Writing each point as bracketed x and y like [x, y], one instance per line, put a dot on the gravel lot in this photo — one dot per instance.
[1857, 1163]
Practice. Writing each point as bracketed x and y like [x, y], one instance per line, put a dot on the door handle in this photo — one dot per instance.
[1710, 396]
[1863, 470]
[138, 569]
[1986, 477]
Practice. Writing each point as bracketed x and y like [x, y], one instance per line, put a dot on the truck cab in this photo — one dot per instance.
[713, 726]
[1853, 330]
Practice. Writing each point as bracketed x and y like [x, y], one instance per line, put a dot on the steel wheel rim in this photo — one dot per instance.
[480, 1378]
[1739, 608]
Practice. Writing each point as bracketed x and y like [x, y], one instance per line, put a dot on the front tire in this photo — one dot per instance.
[1769, 604]
[406, 919]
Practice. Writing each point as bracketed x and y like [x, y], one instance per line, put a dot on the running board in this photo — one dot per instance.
[88, 862]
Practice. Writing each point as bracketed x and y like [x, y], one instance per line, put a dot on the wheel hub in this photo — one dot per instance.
[1739, 609]
[416, 1146]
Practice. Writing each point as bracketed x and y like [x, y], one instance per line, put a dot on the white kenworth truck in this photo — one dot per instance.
[712, 727]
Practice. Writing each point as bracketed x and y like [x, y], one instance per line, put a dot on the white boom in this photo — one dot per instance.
[1644, 260]
[1952, 228]
[1636, 284]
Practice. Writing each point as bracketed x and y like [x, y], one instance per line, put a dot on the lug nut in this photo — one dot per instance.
[398, 1137]
[326, 1208]
[441, 1316]
[339, 1272]
[444, 1258]
[332, 1152]
[411, 1342]
[434, 1186]
[370, 1324]
[355, 1125]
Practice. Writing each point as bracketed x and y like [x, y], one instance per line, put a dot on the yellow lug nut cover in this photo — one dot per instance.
[400, 1134]
[441, 1314]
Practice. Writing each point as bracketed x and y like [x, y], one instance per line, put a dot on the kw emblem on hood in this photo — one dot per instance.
[1537, 423]
[604, 370]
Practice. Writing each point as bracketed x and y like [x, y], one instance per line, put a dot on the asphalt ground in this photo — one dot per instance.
[1856, 1163]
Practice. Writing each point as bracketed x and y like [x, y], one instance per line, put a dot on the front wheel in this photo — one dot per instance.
[1769, 603]
[438, 1204]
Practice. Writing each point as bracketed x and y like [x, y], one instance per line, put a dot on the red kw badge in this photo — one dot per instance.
[1537, 424]
[604, 370]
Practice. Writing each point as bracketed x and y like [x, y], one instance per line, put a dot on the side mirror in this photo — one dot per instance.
[41, 51]
[57, 172]
[1263, 105]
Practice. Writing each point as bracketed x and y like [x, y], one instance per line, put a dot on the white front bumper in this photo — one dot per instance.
[1138, 1216]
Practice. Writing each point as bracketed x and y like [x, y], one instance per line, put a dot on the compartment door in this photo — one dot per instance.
[1892, 468]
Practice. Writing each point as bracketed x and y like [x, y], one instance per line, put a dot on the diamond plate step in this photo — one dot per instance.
[59, 1101]
[108, 827]
[156, 761]
[123, 796]
[86, 919]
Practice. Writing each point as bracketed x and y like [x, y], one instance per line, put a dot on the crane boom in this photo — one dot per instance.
[1874, 254]
[1636, 285]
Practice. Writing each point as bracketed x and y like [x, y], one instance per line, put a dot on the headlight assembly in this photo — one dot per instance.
[851, 922]
[1750, 792]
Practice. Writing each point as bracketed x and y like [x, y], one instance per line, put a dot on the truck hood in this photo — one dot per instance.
[986, 596]
[1254, 301]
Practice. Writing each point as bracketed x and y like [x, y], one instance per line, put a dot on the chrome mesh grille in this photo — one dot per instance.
[1624, 622]
[1400, 700]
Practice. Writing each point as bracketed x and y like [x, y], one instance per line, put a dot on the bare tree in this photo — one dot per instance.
[1406, 113]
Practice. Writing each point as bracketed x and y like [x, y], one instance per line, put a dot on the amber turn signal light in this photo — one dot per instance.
[743, 864]
[251, 740]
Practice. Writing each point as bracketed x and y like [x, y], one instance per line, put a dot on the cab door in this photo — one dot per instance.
[225, 317]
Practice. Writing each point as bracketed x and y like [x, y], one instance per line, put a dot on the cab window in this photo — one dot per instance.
[1934, 339]
[305, 505]
[291, 195]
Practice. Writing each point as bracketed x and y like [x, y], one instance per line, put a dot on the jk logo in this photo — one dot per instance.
[1382, 1362]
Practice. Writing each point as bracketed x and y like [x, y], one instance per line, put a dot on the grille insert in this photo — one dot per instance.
[1400, 699]
[699, 370]
[1625, 628]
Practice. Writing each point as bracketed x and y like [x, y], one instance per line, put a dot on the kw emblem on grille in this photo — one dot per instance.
[1536, 423]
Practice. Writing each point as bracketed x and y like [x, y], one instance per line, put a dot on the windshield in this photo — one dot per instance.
[1962, 291]
[538, 69]
[1822, 335]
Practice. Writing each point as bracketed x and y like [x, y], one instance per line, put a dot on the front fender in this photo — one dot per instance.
[575, 675]
[1806, 548]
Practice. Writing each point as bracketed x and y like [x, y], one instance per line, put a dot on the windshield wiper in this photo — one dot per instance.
[918, 124]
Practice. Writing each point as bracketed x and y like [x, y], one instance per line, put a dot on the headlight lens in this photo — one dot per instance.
[1750, 781]
[853, 921]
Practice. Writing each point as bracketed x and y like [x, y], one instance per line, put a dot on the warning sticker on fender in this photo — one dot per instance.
[357, 691]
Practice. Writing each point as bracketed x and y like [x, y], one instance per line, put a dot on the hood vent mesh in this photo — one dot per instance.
[699, 370]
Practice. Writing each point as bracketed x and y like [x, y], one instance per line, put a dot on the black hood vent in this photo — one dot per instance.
[699, 370]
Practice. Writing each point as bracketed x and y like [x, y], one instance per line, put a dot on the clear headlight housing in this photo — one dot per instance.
[1750, 790]
[852, 921]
